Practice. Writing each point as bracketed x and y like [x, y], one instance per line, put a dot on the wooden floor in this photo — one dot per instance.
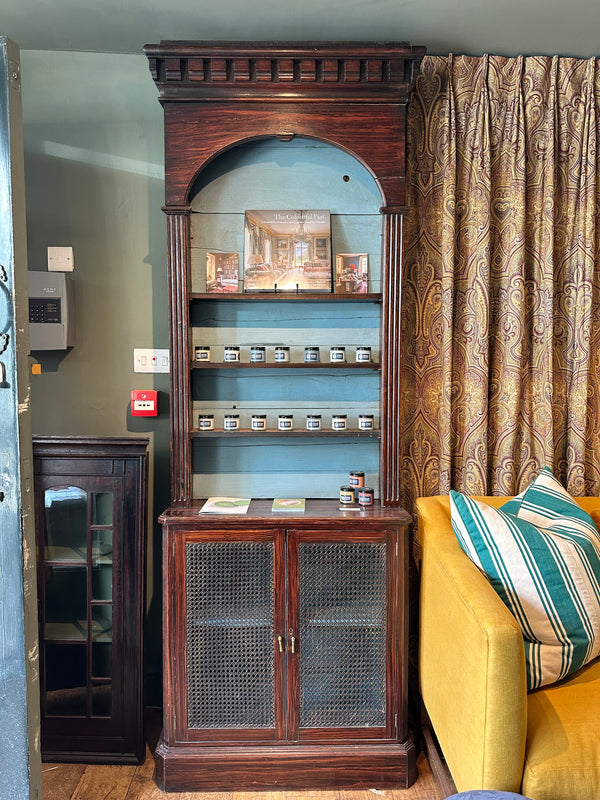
[94, 782]
[105, 782]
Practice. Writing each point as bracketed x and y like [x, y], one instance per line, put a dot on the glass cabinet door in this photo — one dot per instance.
[76, 601]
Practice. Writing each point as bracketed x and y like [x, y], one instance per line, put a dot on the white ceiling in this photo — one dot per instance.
[500, 27]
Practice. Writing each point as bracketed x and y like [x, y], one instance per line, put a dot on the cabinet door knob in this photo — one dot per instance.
[293, 641]
[280, 643]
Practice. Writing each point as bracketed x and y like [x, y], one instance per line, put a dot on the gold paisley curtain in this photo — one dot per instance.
[501, 285]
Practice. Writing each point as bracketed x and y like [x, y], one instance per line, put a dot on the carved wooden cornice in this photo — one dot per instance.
[299, 71]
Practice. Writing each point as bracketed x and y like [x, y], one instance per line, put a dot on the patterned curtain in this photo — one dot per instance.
[501, 291]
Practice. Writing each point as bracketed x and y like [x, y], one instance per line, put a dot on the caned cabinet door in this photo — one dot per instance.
[340, 615]
[229, 629]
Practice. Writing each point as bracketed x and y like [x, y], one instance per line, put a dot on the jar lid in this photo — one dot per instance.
[206, 416]
[356, 472]
[339, 416]
[313, 416]
[282, 347]
[231, 347]
[232, 416]
[257, 347]
[259, 416]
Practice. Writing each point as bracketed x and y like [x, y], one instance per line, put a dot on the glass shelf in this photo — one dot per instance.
[373, 365]
[367, 297]
[65, 555]
[347, 434]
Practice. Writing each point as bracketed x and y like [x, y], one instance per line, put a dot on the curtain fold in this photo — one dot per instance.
[501, 286]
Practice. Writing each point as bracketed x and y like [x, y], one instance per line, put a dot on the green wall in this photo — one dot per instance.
[93, 132]
[94, 180]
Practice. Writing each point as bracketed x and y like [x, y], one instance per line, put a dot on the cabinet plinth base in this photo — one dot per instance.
[192, 767]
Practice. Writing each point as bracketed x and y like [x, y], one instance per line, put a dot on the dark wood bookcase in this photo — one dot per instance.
[90, 497]
[285, 635]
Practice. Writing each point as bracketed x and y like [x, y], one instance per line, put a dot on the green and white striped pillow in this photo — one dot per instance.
[541, 553]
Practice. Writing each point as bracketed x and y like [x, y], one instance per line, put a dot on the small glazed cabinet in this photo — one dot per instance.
[90, 502]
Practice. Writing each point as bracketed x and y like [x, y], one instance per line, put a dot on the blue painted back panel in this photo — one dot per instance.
[269, 175]
[286, 387]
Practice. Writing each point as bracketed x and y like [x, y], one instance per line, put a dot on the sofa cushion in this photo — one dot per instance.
[562, 756]
[541, 552]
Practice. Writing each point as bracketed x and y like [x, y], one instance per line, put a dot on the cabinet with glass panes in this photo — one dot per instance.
[90, 497]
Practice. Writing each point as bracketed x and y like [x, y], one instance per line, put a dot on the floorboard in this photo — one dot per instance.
[110, 782]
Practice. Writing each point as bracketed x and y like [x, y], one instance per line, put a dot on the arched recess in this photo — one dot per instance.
[218, 95]
[222, 158]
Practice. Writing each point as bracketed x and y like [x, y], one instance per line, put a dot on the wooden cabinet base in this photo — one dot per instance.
[188, 768]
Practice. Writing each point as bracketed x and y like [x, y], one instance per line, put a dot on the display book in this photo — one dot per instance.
[287, 250]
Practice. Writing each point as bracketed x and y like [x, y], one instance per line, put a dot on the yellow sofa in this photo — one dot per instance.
[492, 733]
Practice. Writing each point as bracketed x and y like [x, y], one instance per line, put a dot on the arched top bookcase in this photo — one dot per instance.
[285, 644]
[217, 95]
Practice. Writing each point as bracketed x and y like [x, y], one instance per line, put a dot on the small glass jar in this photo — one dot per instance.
[311, 354]
[313, 422]
[231, 354]
[202, 353]
[339, 422]
[357, 479]
[258, 354]
[346, 495]
[366, 422]
[206, 422]
[282, 354]
[285, 422]
[363, 354]
[231, 422]
[258, 422]
[337, 354]
[366, 496]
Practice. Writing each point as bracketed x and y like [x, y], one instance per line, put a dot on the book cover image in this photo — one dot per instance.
[225, 505]
[222, 272]
[287, 251]
[351, 273]
[289, 504]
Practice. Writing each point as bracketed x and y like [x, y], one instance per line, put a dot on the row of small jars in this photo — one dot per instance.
[285, 422]
[281, 354]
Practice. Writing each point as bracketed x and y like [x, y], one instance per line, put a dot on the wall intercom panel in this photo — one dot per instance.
[51, 312]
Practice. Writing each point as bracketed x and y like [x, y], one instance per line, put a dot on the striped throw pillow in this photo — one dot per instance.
[541, 553]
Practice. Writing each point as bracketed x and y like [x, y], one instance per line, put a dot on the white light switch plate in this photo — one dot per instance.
[147, 360]
[60, 259]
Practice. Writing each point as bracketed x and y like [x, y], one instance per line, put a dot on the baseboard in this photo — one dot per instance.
[200, 768]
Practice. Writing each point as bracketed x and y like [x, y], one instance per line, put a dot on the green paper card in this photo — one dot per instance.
[296, 504]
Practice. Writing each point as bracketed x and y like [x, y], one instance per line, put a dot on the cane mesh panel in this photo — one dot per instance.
[229, 619]
[342, 620]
